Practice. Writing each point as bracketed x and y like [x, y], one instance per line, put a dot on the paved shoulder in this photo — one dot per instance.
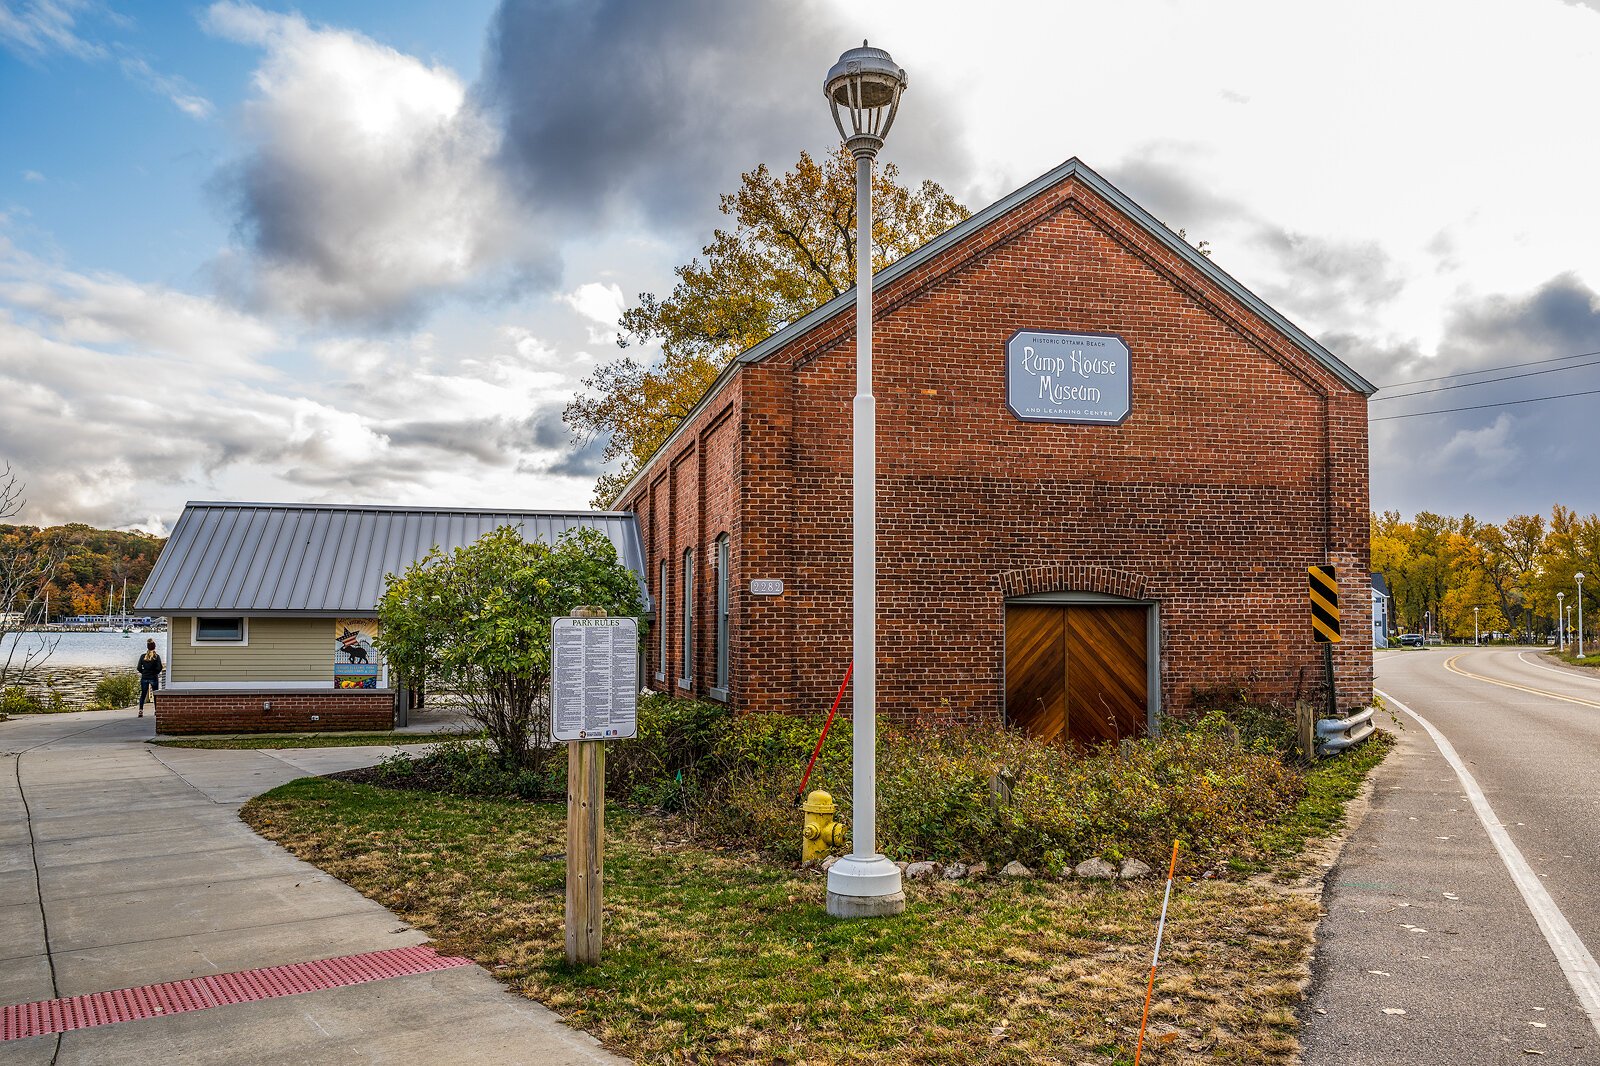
[1429, 954]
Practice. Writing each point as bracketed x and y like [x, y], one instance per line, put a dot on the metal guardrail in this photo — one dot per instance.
[1340, 734]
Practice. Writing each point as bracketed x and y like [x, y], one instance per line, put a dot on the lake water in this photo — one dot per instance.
[80, 660]
[105, 651]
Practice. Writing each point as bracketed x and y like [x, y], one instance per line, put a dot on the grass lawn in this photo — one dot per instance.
[717, 957]
[1592, 660]
[1330, 786]
[244, 741]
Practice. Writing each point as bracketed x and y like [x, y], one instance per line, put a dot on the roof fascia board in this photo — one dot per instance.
[388, 509]
[250, 612]
[960, 232]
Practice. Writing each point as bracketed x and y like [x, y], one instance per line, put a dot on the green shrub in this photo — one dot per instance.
[748, 798]
[982, 792]
[946, 792]
[18, 700]
[783, 743]
[1265, 725]
[465, 767]
[116, 690]
[669, 763]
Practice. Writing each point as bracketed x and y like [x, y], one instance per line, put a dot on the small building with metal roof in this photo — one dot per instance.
[272, 607]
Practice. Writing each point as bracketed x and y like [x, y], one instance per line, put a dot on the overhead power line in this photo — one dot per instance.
[1489, 370]
[1486, 406]
[1491, 381]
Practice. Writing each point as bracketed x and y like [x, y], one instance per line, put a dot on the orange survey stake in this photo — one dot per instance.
[1155, 960]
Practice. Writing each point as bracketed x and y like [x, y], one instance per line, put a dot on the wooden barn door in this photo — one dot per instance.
[1036, 671]
[1077, 673]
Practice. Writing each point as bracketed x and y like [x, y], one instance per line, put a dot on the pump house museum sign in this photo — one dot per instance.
[1068, 377]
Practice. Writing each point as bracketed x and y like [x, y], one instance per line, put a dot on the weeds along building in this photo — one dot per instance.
[1104, 467]
[272, 607]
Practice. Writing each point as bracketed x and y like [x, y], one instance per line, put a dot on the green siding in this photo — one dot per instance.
[280, 649]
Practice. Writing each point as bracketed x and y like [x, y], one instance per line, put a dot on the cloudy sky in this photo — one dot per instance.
[353, 251]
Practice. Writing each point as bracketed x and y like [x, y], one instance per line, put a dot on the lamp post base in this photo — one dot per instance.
[865, 887]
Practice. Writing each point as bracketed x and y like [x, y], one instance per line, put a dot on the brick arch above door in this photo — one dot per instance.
[1073, 577]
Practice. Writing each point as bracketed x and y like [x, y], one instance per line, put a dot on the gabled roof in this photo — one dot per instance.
[1072, 168]
[1380, 585]
[324, 559]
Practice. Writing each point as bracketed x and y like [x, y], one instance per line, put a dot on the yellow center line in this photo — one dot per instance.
[1450, 664]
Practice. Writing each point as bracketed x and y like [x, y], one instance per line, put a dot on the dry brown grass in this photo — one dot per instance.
[713, 957]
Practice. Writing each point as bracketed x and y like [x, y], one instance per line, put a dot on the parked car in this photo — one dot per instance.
[1411, 640]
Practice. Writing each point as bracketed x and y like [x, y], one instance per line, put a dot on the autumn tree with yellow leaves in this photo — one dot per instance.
[790, 249]
[1445, 566]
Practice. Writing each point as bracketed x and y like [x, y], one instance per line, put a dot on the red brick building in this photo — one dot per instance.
[1075, 577]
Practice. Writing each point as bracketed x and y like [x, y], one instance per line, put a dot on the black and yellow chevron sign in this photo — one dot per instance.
[1324, 604]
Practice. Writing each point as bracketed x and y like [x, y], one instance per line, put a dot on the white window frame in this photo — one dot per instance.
[686, 663]
[195, 640]
[722, 561]
[661, 620]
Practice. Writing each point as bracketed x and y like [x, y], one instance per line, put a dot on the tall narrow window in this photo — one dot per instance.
[686, 678]
[723, 577]
[661, 622]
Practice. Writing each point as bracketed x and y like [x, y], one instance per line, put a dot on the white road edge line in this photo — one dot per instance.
[1522, 655]
[1576, 963]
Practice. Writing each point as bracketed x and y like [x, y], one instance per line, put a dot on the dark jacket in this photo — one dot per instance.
[150, 667]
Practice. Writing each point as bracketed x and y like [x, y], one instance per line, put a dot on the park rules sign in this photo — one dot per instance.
[1068, 377]
[594, 678]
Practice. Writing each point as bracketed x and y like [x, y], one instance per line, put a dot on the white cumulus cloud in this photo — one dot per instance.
[372, 185]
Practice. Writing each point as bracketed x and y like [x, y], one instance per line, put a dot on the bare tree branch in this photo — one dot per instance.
[28, 560]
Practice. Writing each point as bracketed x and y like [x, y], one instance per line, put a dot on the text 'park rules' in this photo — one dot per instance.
[594, 678]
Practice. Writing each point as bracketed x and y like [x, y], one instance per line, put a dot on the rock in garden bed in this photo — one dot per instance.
[1095, 870]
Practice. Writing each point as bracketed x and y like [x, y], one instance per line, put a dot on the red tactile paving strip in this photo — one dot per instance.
[49, 1016]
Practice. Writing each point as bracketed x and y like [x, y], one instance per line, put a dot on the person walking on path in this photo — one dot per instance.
[150, 667]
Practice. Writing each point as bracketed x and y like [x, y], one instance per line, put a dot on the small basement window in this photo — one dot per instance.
[219, 631]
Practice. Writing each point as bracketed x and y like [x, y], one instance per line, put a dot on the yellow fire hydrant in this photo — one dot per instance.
[822, 831]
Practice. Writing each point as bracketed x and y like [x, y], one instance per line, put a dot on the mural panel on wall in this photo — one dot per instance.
[356, 662]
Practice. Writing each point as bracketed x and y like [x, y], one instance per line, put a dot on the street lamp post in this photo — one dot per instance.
[1427, 625]
[1561, 620]
[863, 91]
[1580, 614]
[1474, 627]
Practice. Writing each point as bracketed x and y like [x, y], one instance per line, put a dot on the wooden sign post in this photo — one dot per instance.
[594, 697]
[586, 849]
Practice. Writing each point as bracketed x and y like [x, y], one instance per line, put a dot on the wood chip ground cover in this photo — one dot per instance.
[717, 957]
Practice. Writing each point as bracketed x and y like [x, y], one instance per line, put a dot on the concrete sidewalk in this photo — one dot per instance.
[124, 864]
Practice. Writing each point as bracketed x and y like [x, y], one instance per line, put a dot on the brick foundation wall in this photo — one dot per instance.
[181, 712]
[1243, 461]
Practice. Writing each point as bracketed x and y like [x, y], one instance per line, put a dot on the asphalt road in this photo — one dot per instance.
[1430, 953]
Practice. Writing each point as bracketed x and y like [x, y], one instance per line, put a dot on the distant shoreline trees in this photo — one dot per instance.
[1511, 572]
[89, 567]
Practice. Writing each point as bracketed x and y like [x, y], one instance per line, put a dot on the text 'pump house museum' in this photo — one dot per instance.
[1103, 468]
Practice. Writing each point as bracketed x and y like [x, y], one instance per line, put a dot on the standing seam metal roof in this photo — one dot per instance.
[277, 558]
